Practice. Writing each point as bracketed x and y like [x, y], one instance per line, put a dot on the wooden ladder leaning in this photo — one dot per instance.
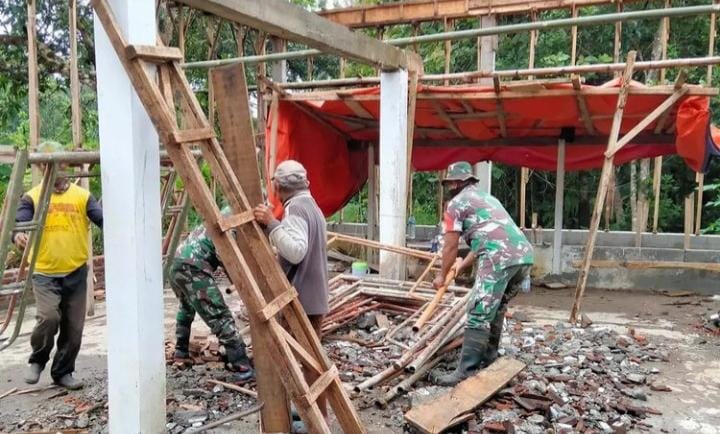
[239, 240]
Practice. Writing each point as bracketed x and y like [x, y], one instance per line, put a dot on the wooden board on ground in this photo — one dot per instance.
[442, 413]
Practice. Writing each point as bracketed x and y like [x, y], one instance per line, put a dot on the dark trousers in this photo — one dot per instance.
[60, 305]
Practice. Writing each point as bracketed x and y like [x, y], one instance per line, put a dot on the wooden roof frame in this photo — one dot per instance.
[291, 22]
[410, 12]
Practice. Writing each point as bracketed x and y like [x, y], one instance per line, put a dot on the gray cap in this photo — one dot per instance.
[291, 174]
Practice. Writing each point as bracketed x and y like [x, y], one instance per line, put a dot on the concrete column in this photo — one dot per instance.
[559, 199]
[279, 68]
[393, 169]
[487, 47]
[133, 267]
[483, 171]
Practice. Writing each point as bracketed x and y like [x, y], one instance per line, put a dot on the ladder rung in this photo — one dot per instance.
[25, 226]
[322, 383]
[154, 54]
[271, 309]
[193, 135]
[235, 220]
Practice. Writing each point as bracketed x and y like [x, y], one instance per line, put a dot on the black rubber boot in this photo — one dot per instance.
[237, 361]
[473, 357]
[182, 341]
[496, 328]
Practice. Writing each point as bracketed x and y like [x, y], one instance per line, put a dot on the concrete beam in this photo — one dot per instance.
[559, 206]
[393, 169]
[129, 154]
[287, 21]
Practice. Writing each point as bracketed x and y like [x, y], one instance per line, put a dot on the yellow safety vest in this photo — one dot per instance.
[65, 242]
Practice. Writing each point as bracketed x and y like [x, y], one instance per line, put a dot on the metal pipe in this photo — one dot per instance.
[488, 31]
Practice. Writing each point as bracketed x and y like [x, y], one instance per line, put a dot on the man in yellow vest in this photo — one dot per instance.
[60, 276]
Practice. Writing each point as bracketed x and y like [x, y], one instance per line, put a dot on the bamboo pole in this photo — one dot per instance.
[448, 26]
[603, 188]
[430, 309]
[469, 77]
[274, 108]
[369, 243]
[424, 274]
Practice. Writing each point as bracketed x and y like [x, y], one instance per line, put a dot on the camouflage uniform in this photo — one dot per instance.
[504, 255]
[191, 278]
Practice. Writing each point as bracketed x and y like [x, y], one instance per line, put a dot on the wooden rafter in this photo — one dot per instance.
[679, 82]
[501, 116]
[582, 105]
[410, 12]
[291, 22]
[446, 118]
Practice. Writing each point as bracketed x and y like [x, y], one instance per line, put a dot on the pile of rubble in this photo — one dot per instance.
[577, 380]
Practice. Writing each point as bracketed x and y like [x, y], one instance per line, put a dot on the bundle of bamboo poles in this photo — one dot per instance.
[351, 297]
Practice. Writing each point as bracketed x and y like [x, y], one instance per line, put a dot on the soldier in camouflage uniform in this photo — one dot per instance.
[191, 278]
[503, 256]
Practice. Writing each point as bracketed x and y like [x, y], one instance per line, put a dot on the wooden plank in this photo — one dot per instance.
[444, 116]
[659, 110]
[438, 415]
[274, 125]
[357, 108]
[417, 11]
[235, 220]
[276, 305]
[662, 121]
[607, 171]
[500, 110]
[322, 383]
[233, 107]
[582, 105]
[191, 135]
[291, 22]
[644, 265]
[301, 352]
[154, 54]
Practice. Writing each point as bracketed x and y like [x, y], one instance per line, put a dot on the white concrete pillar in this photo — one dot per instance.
[131, 199]
[483, 172]
[559, 198]
[392, 215]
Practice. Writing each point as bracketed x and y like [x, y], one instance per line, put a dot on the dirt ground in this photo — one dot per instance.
[693, 372]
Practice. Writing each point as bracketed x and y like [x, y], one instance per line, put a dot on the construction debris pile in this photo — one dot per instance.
[578, 378]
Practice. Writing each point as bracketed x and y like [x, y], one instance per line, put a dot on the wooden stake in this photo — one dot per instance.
[448, 25]
[524, 177]
[603, 187]
[412, 104]
[664, 41]
[574, 32]
[657, 178]
[688, 221]
[533, 43]
[711, 48]
[700, 179]
[33, 91]
[618, 36]
[274, 108]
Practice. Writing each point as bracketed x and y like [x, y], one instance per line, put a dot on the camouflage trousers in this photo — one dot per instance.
[493, 289]
[198, 293]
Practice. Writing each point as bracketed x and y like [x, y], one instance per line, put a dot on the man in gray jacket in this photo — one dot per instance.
[300, 239]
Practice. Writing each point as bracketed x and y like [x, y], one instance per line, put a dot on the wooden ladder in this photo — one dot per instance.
[239, 240]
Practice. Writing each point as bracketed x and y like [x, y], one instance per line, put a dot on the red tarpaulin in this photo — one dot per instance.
[337, 166]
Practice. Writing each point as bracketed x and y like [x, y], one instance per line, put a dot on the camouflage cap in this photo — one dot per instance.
[459, 171]
[49, 146]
